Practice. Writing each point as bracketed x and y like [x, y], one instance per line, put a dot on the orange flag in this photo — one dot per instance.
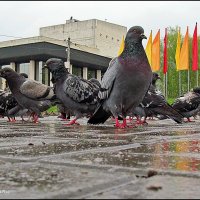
[178, 49]
[184, 54]
[155, 65]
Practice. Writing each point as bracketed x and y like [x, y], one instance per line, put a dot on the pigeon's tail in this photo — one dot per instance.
[100, 116]
[169, 112]
[192, 112]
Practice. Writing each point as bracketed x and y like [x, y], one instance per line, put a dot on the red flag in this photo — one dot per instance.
[195, 50]
[165, 67]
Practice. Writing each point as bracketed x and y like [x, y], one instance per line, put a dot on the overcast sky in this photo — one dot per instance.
[24, 18]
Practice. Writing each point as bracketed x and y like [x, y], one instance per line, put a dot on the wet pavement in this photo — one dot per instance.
[50, 160]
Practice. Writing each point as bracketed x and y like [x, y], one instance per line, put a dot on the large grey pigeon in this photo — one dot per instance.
[125, 82]
[29, 94]
[78, 95]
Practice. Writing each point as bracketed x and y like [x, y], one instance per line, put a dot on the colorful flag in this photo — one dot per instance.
[148, 49]
[178, 50]
[195, 50]
[121, 49]
[165, 66]
[184, 53]
[155, 66]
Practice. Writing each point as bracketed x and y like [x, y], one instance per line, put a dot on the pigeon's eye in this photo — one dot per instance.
[134, 31]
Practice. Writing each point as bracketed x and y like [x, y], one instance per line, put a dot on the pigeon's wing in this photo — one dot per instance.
[108, 79]
[80, 90]
[35, 90]
[153, 98]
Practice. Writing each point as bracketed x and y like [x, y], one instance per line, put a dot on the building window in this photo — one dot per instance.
[38, 71]
[91, 73]
[78, 71]
[22, 68]
[45, 76]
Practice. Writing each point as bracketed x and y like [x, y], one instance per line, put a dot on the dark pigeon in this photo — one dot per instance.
[125, 82]
[189, 104]
[8, 103]
[29, 94]
[154, 104]
[78, 95]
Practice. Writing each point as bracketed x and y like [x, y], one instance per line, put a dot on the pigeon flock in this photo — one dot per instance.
[127, 89]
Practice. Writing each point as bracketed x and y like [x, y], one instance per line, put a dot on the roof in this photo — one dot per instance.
[43, 50]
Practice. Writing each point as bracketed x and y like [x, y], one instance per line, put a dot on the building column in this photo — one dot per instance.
[70, 69]
[68, 66]
[50, 76]
[1, 81]
[13, 65]
[98, 75]
[32, 70]
[85, 73]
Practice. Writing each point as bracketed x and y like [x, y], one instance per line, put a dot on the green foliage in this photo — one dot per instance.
[170, 100]
[52, 109]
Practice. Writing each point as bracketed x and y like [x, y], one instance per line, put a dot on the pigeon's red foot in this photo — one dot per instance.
[188, 120]
[72, 122]
[11, 119]
[140, 122]
[123, 125]
[35, 118]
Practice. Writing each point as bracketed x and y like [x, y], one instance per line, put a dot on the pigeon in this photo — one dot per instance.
[188, 104]
[78, 95]
[29, 94]
[125, 82]
[8, 103]
[154, 103]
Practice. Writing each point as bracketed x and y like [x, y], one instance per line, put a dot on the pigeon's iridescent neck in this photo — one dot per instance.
[59, 73]
[132, 48]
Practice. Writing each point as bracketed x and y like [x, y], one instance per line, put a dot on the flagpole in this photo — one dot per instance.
[188, 80]
[166, 85]
[179, 78]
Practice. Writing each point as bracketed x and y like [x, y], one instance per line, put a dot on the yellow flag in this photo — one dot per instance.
[121, 49]
[148, 49]
[155, 63]
[184, 54]
[178, 49]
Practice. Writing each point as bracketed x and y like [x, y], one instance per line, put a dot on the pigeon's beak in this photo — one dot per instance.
[143, 36]
[158, 77]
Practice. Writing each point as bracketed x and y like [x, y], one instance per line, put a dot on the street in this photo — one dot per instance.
[50, 160]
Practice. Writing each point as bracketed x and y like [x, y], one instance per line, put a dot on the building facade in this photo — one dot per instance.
[93, 43]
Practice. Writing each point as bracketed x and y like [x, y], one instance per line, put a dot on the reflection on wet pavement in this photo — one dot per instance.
[162, 145]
